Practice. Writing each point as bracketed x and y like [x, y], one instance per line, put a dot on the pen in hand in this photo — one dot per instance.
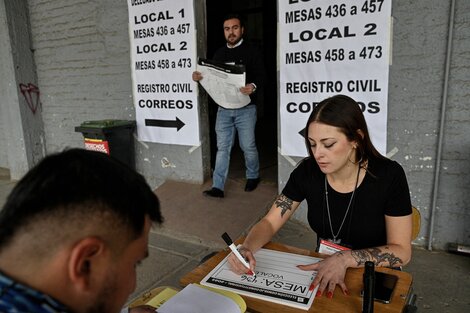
[235, 251]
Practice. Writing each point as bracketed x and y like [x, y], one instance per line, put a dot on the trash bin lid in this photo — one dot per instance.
[107, 123]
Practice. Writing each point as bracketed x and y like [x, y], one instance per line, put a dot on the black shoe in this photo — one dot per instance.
[214, 192]
[251, 184]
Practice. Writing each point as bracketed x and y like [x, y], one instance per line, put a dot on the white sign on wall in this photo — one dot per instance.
[163, 54]
[330, 47]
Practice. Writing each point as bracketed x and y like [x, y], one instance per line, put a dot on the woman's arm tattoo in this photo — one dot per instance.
[284, 203]
[375, 255]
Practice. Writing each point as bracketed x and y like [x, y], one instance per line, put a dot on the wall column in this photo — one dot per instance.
[20, 106]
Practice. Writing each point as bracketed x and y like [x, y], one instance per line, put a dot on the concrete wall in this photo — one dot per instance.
[5, 69]
[417, 82]
[81, 50]
[3, 143]
[21, 111]
[453, 202]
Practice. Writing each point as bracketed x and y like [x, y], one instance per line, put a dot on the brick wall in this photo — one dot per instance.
[83, 64]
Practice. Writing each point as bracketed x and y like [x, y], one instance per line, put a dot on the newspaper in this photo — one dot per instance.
[277, 279]
[223, 82]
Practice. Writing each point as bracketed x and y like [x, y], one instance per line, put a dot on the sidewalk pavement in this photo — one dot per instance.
[193, 226]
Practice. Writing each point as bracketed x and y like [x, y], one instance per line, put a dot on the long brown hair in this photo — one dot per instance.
[343, 112]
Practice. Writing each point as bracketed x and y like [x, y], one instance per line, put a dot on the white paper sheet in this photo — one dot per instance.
[195, 299]
[277, 279]
[223, 83]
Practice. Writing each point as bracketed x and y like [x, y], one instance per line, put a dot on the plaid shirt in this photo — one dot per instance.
[18, 298]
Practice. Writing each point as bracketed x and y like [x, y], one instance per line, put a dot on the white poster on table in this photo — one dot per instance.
[329, 47]
[163, 57]
[278, 279]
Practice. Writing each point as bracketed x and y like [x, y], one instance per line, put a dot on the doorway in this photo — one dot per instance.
[260, 29]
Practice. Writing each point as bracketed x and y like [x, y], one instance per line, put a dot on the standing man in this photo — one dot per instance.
[72, 232]
[242, 120]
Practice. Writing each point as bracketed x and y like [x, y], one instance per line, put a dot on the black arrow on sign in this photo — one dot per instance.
[302, 132]
[177, 123]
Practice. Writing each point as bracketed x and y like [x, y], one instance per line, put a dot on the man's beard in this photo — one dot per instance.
[233, 43]
[104, 300]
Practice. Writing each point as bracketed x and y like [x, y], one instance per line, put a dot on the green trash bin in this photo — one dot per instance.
[114, 137]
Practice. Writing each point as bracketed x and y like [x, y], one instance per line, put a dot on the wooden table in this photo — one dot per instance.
[339, 302]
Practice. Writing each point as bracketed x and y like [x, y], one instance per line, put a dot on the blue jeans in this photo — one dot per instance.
[228, 121]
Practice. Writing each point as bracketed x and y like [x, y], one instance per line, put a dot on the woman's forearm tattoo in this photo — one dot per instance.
[284, 203]
[377, 256]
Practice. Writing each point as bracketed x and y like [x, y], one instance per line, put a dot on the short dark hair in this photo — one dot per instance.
[344, 112]
[230, 16]
[76, 179]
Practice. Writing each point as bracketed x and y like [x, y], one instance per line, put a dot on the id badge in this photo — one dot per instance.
[329, 247]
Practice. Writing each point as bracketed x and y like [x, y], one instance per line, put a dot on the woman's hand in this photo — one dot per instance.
[330, 272]
[237, 266]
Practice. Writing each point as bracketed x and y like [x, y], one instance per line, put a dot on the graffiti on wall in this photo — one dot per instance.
[32, 96]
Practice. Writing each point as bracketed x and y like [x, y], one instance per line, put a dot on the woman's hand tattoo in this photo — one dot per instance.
[375, 255]
[284, 203]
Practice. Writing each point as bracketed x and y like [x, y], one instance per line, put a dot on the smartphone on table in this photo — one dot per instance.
[384, 286]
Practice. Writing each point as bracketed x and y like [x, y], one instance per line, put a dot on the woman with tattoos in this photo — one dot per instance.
[358, 200]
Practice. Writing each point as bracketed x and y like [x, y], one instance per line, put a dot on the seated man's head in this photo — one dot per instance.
[75, 226]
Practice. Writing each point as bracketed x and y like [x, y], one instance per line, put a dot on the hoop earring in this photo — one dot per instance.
[358, 162]
[361, 159]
